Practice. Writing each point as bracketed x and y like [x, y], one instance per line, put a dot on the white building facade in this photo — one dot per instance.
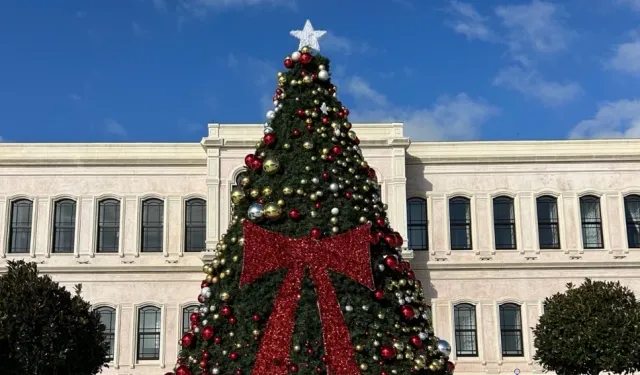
[491, 228]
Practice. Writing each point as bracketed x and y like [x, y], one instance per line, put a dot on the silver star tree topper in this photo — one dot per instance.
[308, 36]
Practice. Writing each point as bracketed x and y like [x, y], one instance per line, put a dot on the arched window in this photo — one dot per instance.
[591, 222]
[417, 224]
[108, 318]
[632, 215]
[466, 330]
[548, 223]
[20, 225]
[149, 325]
[511, 330]
[460, 223]
[108, 226]
[504, 223]
[64, 226]
[195, 225]
[186, 317]
[152, 225]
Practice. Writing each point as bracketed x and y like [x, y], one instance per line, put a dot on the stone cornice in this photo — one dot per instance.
[558, 265]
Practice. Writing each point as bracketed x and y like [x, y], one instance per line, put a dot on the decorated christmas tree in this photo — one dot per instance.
[308, 278]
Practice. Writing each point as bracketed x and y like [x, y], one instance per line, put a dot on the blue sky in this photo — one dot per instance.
[159, 70]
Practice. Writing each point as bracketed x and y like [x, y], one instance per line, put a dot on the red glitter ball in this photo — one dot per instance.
[379, 294]
[248, 160]
[408, 312]
[269, 139]
[234, 356]
[387, 352]
[325, 175]
[416, 341]
[316, 233]
[300, 112]
[207, 332]
[225, 310]
[296, 133]
[288, 63]
[187, 340]
[294, 214]
[337, 150]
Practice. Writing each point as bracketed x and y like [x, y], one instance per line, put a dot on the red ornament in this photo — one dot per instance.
[205, 354]
[305, 58]
[193, 318]
[248, 160]
[391, 261]
[187, 340]
[233, 320]
[348, 195]
[379, 294]
[411, 275]
[269, 139]
[217, 340]
[336, 150]
[346, 111]
[300, 112]
[293, 367]
[387, 352]
[331, 158]
[309, 128]
[238, 371]
[203, 363]
[416, 341]
[346, 253]
[316, 205]
[373, 238]
[408, 312]
[296, 133]
[325, 175]
[256, 164]
[380, 221]
[207, 333]
[371, 173]
[204, 284]
[183, 370]
[201, 298]
[279, 91]
[294, 214]
[288, 63]
[225, 310]
[316, 233]
[384, 372]
[340, 114]
[261, 201]
[314, 76]
[325, 120]
[451, 366]
[356, 141]
[256, 317]
[234, 356]
[390, 239]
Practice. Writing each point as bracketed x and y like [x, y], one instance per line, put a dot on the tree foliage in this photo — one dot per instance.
[44, 329]
[590, 329]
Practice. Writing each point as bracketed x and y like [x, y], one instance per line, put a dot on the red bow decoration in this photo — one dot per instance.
[346, 253]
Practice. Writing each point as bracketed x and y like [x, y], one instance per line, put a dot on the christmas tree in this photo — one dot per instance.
[308, 278]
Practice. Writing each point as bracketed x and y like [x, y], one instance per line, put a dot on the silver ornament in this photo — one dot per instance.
[335, 211]
[333, 187]
[268, 130]
[295, 56]
[323, 75]
[348, 308]
[255, 212]
[423, 336]
[444, 347]
[271, 115]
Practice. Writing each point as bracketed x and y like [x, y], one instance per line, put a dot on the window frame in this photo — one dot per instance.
[551, 224]
[15, 228]
[187, 310]
[101, 225]
[518, 329]
[466, 223]
[188, 205]
[630, 222]
[504, 223]
[145, 226]
[58, 226]
[112, 335]
[140, 334]
[457, 330]
[598, 223]
[420, 226]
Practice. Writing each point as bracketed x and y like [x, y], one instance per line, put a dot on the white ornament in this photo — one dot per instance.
[295, 56]
[271, 115]
[324, 108]
[335, 211]
[323, 75]
[308, 37]
[333, 187]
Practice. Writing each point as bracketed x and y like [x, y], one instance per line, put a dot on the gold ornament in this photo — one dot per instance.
[299, 191]
[307, 112]
[305, 50]
[237, 195]
[352, 135]
[364, 367]
[307, 145]
[224, 296]
[281, 202]
[266, 191]
[307, 79]
[245, 181]
[286, 146]
[254, 193]
[287, 190]
[280, 74]
[309, 121]
[271, 165]
[272, 211]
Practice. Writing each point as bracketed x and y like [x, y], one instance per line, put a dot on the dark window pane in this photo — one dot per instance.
[149, 323]
[460, 223]
[591, 222]
[632, 215]
[20, 226]
[108, 318]
[108, 226]
[548, 224]
[466, 334]
[152, 225]
[504, 222]
[64, 226]
[417, 224]
[195, 225]
[511, 330]
[186, 315]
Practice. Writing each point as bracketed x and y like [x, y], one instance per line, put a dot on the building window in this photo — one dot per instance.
[108, 226]
[504, 223]
[20, 226]
[152, 225]
[195, 225]
[632, 215]
[511, 330]
[460, 223]
[465, 330]
[186, 317]
[591, 222]
[64, 226]
[548, 223]
[149, 320]
[108, 319]
[417, 224]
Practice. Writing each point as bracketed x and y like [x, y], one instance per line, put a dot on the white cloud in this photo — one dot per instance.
[115, 128]
[540, 26]
[620, 119]
[160, 5]
[201, 8]
[449, 118]
[531, 83]
[75, 97]
[626, 57]
[469, 22]
[633, 4]
[137, 29]
[232, 61]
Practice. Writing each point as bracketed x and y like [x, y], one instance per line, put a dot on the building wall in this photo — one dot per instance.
[436, 171]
